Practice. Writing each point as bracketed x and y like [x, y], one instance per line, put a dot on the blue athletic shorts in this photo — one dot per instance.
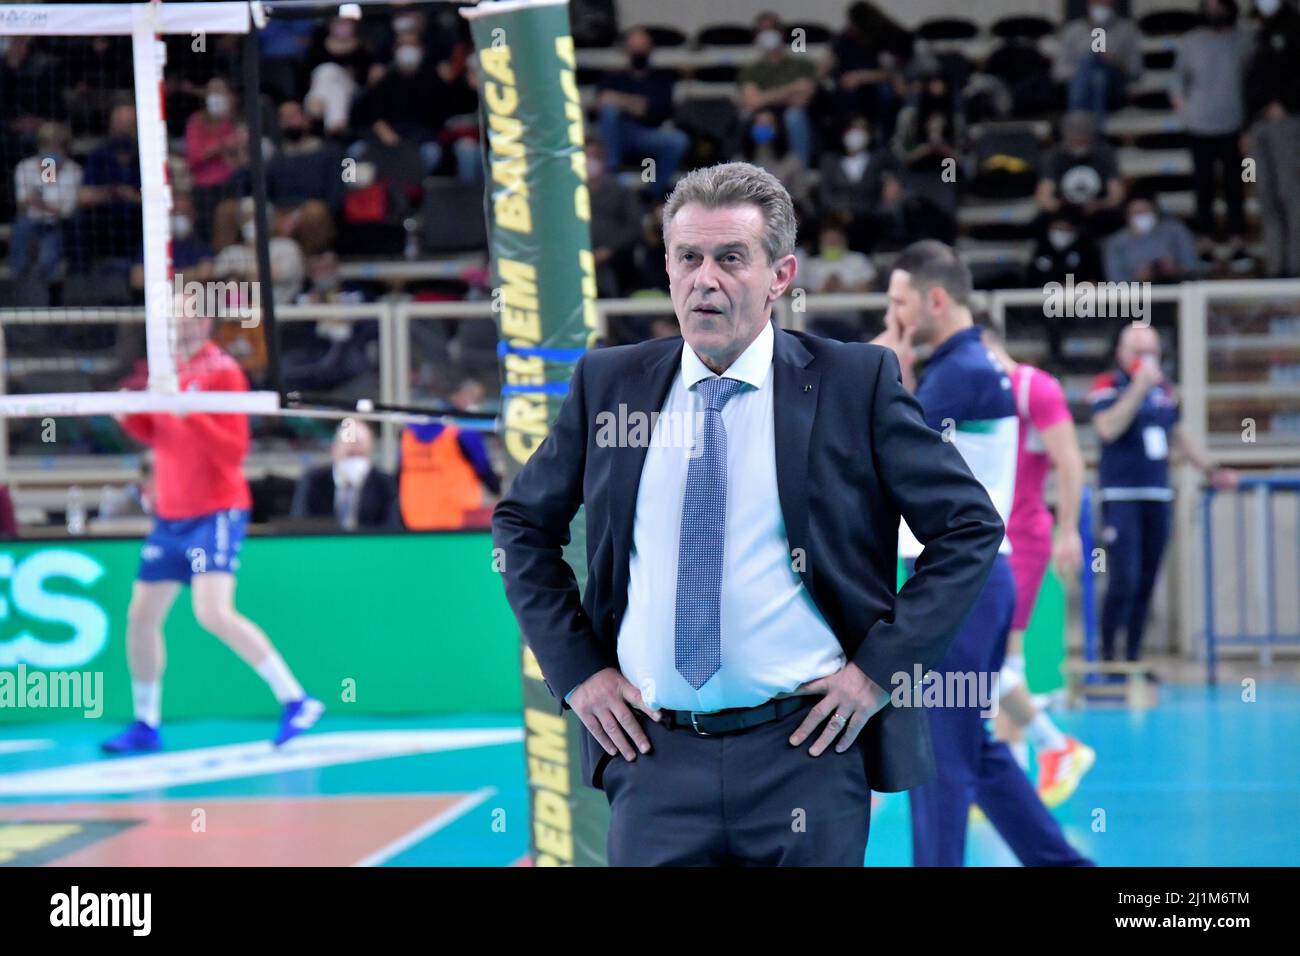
[178, 550]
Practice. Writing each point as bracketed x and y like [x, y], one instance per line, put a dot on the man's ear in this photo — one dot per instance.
[937, 300]
[784, 271]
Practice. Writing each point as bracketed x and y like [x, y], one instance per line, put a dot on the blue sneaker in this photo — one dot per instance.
[139, 737]
[298, 716]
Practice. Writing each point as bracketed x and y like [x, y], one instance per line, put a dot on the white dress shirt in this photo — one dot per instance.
[773, 636]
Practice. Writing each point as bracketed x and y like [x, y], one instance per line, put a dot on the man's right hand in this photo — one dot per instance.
[1148, 376]
[604, 703]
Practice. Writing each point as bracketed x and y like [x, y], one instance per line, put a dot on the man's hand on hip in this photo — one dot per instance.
[851, 699]
[602, 703]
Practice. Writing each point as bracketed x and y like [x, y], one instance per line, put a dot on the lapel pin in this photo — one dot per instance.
[807, 388]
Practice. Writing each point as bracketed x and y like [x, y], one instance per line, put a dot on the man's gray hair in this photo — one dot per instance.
[739, 184]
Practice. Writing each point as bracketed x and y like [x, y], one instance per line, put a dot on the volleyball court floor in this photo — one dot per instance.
[1204, 779]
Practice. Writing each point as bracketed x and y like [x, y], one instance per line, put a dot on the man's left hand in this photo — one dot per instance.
[1223, 479]
[851, 699]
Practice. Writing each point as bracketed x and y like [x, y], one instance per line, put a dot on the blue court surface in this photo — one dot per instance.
[1204, 779]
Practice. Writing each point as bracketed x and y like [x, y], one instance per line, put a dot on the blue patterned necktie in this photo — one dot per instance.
[697, 644]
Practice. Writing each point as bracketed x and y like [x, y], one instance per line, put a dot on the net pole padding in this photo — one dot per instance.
[150, 56]
[540, 244]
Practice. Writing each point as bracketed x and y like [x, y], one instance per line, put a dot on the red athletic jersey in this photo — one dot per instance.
[198, 458]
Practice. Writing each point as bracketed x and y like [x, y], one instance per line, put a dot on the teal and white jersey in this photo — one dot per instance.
[966, 395]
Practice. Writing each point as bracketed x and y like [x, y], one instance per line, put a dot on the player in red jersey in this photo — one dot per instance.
[201, 512]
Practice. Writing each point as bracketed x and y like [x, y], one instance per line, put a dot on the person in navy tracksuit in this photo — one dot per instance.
[1135, 414]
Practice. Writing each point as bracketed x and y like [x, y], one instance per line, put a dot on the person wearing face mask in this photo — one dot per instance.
[408, 106]
[1080, 177]
[350, 490]
[1208, 94]
[45, 194]
[108, 221]
[783, 81]
[615, 224]
[635, 106]
[929, 127]
[191, 256]
[854, 181]
[867, 57]
[1098, 81]
[303, 183]
[766, 144]
[216, 150]
[1060, 251]
[1151, 249]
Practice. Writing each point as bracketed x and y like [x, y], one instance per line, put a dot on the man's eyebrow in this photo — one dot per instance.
[736, 246]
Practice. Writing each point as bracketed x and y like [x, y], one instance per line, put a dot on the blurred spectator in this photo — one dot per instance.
[303, 185]
[1026, 75]
[341, 65]
[1098, 81]
[1063, 251]
[329, 353]
[445, 468]
[31, 88]
[766, 144]
[350, 489]
[867, 58]
[239, 261]
[405, 107]
[634, 106]
[284, 44]
[45, 192]
[1271, 74]
[930, 127]
[1151, 248]
[853, 183]
[648, 256]
[108, 222]
[615, 223]
[1274, 143]
[836, 268]
[191, 255]
[1080, 178]
[97, 72]
[1208, 78]
[135, 499]
[216, 149]
[783, 81]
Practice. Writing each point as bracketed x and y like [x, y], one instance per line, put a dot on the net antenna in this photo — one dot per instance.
[146, 24]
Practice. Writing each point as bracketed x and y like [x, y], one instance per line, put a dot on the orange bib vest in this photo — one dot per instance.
[436, 485]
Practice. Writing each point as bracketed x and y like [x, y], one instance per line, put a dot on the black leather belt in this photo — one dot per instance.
[719, 722]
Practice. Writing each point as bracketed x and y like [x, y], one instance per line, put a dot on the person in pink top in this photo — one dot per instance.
[1047, 440]
[216, 151]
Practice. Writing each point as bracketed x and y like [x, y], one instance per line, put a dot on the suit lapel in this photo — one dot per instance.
[794, 407]
[643, 391]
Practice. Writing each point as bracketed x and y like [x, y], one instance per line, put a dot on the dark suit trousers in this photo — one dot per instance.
[743, 799]
[975, 768]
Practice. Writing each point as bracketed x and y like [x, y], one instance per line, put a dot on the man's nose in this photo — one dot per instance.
[706, 276]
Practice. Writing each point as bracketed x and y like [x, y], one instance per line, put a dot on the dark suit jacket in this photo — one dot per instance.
[314, 498]
[852, 454]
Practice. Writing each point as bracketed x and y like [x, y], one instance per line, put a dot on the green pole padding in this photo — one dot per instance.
[544, 279]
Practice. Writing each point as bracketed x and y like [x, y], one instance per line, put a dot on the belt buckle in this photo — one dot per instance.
[696, 726]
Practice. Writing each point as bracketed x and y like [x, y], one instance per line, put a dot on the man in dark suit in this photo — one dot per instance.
[350, 489]
[742, 558]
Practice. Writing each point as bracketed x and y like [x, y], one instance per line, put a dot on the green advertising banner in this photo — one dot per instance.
[544, 277]
[373, 624]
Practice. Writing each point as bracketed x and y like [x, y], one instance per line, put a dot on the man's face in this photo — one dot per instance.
[907, 305]
[351, 441]
[121, 123]
[1138, 342]
[721, 283]
[638, 43]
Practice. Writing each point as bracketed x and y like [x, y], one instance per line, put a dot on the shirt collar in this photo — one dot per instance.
[954, 340]
[751, 366]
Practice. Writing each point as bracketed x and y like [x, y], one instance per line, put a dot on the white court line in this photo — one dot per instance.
[452, 813]
[20, 746]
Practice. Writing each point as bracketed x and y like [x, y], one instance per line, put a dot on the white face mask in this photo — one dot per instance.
[181, 226]
[351, 470]
[855, 140]
[218, 104]
[249, 229]
[1268, 7]
[768, 40]
[408, 57]
[1144, 222]
[1060, 238]
[404, 25]
[1099, 13]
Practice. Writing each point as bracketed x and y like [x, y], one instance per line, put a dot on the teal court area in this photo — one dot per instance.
[1204, 779]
